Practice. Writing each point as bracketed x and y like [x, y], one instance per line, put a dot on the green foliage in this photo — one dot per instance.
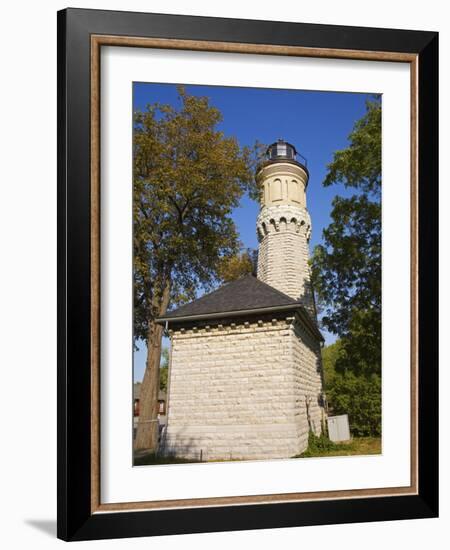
[360, 398]
[356, 394]
[347, 277]
[357, 446]
[234, 267]
[359, 165]
[319, 445]
[346, 268]
[164, 370]
[330, 355]
[163, 377]
[187, 178]
[346, 273]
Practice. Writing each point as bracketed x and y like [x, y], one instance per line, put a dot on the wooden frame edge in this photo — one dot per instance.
[261, 49]
[236, 47]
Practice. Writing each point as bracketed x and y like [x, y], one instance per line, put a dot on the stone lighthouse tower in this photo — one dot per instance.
[245, 374]
[284, 225]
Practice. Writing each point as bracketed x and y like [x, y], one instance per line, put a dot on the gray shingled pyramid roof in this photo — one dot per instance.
[246, 296]
[245, 293]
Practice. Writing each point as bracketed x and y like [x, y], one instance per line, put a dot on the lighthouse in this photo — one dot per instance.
[284, 224]
[245, 372]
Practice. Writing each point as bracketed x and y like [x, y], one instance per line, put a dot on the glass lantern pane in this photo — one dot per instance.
[281, 150]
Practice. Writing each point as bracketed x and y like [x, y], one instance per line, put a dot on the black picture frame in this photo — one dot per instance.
[75, 518]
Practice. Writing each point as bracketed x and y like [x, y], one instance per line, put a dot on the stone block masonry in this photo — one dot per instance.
[242, 391]
[284, 228]
[252, 388]
[283, 233]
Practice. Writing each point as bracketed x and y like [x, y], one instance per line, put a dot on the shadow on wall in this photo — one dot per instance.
[188, 450]
[166, 455]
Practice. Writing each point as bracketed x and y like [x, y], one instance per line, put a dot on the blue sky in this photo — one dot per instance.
[317, 123]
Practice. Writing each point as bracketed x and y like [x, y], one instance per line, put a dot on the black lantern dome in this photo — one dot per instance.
[281, 150]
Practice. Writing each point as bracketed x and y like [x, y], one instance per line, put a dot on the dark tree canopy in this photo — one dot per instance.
[359, 396]
[359, 165]
[164, 369]
[239, 265]
[347, 267]
[188, 177]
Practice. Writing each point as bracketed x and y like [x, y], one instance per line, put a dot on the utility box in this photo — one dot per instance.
[338, 428]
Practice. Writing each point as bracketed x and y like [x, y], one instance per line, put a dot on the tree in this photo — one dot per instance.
[187, 178]
[330, 355]
[346, 269]
[164, 370]
[234, 267]
[346, 274]
[359, 396]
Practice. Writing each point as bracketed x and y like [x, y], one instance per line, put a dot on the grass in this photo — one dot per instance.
[317, 447]
[146, 458]
[322, 446]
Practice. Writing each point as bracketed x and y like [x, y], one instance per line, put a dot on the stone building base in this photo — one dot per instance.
[241, 442]
[243, 391]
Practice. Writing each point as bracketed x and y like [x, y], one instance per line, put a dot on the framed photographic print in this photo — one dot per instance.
[247, 274]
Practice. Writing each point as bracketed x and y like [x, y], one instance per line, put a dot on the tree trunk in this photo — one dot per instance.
[147, 429]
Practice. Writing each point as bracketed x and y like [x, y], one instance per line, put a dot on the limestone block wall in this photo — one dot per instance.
[308, 381]
[283, 233]
[236, 392]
